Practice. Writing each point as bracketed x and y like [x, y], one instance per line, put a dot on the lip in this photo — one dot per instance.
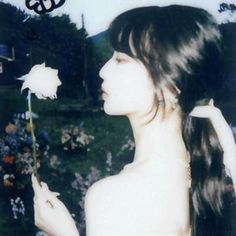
[104, 91]
[104, 94]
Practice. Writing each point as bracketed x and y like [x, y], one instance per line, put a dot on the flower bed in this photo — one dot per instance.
[73, 152]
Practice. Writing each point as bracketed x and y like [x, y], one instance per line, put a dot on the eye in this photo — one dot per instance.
[120, 60]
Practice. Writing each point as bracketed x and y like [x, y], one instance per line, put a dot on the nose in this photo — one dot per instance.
[101, 72]
[104, 70]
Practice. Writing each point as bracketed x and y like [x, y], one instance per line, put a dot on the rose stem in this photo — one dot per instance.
[35, 169]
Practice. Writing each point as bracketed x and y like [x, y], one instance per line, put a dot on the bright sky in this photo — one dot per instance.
[99, 13]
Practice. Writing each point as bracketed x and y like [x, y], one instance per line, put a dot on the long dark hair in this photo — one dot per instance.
[181, 49]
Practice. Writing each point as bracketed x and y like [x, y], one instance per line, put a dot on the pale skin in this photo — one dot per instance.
[150, 195]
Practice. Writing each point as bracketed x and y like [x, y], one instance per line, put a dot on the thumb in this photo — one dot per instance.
[35, 184]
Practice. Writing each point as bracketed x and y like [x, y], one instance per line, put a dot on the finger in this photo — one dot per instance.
[36, 212]
[50, 204]
[44, 186]
[198, 112]
[193, 112]
[47, 191]
[56, 194]
[35, 185]
[206, 111]
[39, 208]
[34, 199]
[211, 102]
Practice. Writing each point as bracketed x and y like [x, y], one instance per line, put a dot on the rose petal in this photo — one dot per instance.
[42, 81]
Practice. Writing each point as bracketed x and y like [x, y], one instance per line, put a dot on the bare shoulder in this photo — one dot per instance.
[142, 194]
[102, 186]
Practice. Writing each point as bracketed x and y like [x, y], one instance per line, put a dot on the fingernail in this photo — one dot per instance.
[191, 113]
[211, 102]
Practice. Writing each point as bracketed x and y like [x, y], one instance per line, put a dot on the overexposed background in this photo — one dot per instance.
[98, 14]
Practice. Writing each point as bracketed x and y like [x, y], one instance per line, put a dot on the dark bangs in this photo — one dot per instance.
[127, 32]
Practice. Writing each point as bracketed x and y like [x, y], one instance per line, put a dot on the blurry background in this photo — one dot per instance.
[77, 143]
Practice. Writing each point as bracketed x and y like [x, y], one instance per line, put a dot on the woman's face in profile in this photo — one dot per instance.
[127, 86]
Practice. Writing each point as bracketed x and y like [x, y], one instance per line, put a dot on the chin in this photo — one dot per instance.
[126, 107]
[114, 110]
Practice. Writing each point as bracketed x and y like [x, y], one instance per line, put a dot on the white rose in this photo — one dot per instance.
[42, 81]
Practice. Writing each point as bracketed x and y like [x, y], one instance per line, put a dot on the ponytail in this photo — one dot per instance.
[207, 168]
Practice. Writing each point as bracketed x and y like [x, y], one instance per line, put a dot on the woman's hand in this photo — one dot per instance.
[50, 213]
[224, 133]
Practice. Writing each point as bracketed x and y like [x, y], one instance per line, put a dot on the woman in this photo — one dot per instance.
[163, 75]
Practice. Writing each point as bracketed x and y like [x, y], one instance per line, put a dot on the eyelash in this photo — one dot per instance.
[119, 60]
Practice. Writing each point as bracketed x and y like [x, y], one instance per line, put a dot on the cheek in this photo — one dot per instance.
[132, 92]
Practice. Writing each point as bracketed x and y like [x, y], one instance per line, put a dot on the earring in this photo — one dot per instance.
[173, 103]
[161, 102]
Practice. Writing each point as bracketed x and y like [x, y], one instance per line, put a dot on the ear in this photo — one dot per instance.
[170, 97]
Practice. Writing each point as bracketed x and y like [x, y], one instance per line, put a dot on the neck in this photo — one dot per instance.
[161, 136]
